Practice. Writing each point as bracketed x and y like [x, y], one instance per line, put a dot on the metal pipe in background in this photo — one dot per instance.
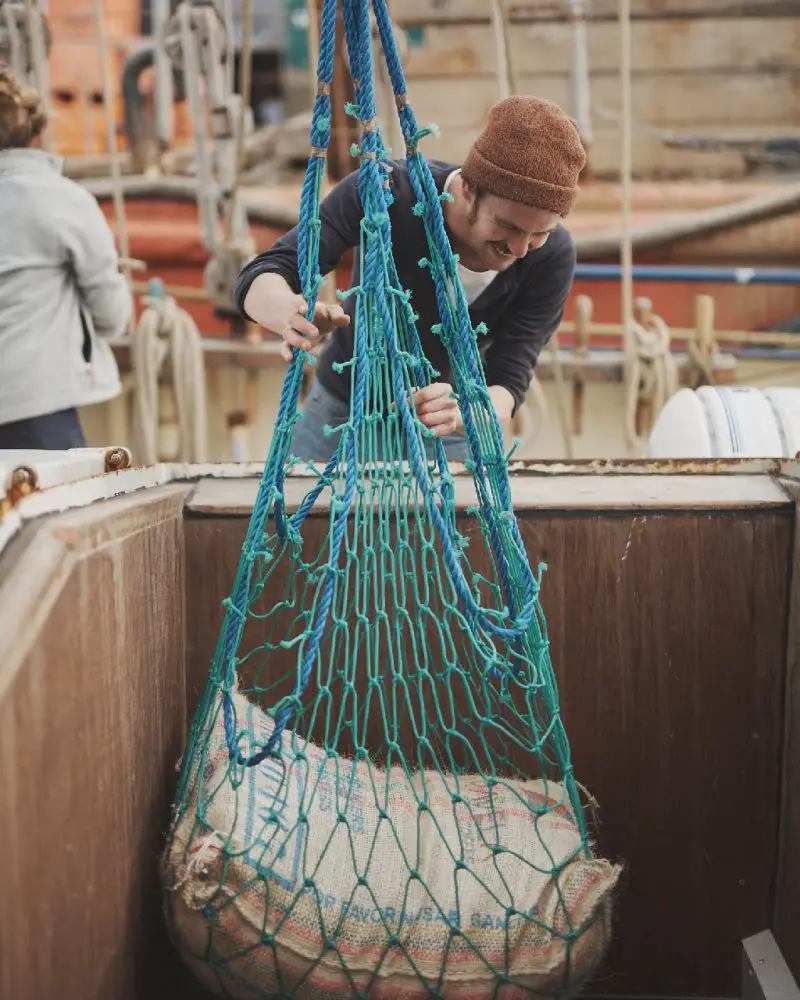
[711, 275]
[164, 91]
[580, 86]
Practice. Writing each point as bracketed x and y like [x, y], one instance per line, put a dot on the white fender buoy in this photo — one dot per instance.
[728, 422]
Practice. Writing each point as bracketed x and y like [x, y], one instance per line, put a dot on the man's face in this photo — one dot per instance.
[504, 231]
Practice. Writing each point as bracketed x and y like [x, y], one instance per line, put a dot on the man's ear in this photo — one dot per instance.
[469, 192]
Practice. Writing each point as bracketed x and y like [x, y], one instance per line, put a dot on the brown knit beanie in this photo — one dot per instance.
[530, 152]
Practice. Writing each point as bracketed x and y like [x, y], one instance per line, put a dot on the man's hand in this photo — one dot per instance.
[437, 408]
[301, 333]
[272, 304]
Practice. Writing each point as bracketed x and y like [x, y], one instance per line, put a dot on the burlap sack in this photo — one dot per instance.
[322, 878]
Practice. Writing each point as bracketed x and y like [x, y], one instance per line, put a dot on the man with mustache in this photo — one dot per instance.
[516, 265]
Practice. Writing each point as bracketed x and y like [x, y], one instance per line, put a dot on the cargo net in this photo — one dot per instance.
[376, 798]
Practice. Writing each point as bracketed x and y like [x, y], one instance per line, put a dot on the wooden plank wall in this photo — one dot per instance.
[680, 738]
[787, 900]
[92, 723]
[709, 75]
[669, 646]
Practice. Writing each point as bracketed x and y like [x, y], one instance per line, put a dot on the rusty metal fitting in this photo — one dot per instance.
[117, 459]
[21, 483]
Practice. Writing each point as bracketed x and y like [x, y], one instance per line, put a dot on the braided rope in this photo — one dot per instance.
[520, 622]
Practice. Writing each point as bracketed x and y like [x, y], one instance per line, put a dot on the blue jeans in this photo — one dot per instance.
[58, 431]
[311, 444]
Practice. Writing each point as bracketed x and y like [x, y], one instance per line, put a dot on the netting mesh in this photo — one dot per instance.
[377, 797]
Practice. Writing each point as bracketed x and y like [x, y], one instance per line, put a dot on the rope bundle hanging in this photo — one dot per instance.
[377, 797]
[166, 337]
[653, 373]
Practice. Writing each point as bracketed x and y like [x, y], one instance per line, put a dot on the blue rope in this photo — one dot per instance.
[272, 479]
[490, 474]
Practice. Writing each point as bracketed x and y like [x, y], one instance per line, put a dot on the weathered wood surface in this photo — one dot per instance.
[651, 158]
[533, 494]
[92, 721]
[668, 638]
[685, 100]
[714, 77]
[706, 46]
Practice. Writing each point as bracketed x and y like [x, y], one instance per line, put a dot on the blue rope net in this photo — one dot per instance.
[377, 797]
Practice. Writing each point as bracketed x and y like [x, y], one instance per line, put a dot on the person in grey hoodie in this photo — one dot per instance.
[61, 291]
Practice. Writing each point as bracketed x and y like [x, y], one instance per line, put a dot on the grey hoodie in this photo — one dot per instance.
[61, 292]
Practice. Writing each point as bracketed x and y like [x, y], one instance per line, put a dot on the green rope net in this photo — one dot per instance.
[376, 798]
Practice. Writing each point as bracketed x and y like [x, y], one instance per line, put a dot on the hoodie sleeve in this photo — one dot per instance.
[92, 257]
[340, 217]
[532, 317]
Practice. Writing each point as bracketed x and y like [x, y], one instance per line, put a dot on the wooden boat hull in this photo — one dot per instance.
[683, 714]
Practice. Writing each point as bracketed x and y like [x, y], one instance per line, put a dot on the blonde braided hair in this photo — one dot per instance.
[22, 112]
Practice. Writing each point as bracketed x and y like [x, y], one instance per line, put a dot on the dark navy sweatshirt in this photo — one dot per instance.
[522, 307]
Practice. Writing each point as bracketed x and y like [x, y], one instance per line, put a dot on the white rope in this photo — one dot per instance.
[111, 138]
[166, 337]
[530, 418]
[652, 374]
[580, 82]
[508, 84]
[11, 42]
[39, 64]
[505, 82]
[164, 330]
[245, 93]
[23, 46]
[630, 379]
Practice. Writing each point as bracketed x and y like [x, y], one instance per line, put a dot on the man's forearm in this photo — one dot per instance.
[270, 301]
[502, 401]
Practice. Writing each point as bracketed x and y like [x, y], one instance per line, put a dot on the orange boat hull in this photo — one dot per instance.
[167, 236]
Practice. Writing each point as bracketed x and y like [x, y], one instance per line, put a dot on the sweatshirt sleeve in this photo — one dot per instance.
[340, 228]
[93, 258]
[532, 317]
